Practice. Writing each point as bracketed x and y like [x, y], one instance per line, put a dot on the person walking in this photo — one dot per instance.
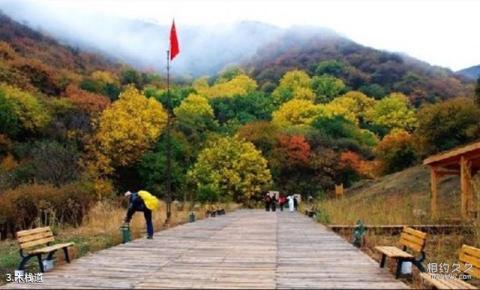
[145, 202]
[274, 203]
[295, 202]
[281, 201]
[291, 205]
[268, 201]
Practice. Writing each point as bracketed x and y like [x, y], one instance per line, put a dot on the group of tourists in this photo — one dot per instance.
[274, 199]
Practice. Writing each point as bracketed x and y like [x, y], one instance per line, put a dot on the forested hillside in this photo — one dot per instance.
[76, 128]
[373, 72]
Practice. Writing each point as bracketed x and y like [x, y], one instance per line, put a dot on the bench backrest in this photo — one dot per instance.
[471, 256]
[34, 237]
[413, 239]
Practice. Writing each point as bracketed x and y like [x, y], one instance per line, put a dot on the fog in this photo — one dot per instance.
[204, 49]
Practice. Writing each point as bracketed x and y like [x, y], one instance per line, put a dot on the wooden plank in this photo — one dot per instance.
[33, 237]
[37, 242]
[32, 231]
[245, 249]
[416, 233]
[52, 248]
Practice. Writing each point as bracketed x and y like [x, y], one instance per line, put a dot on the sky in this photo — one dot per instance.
[442, 32]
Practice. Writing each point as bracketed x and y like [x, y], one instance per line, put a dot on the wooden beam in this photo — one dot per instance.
[463, 186]
[434, 187]
[452, 153]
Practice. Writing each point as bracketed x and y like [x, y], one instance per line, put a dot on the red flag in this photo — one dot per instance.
[174, 48]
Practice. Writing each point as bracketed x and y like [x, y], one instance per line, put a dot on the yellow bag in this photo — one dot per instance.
[150, 200]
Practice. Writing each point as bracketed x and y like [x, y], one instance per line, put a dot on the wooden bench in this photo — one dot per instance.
[37, 242]
[410, 239]
[468, 256]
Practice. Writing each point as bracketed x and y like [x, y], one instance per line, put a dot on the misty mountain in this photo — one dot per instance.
[266, 51]
[472, 72]
[375, 72]
[143, 44]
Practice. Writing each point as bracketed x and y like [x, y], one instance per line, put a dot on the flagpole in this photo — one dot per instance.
[167, 136]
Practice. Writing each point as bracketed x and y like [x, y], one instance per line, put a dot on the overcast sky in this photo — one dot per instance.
[441, 32]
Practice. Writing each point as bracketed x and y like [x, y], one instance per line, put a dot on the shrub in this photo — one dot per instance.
[36, 205]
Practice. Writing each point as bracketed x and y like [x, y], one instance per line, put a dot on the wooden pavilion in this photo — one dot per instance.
[463, 161]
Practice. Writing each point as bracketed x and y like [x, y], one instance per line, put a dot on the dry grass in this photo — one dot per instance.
[393, 209]
[402, 199]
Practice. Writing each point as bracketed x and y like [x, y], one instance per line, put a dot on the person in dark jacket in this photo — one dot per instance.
[268, 202]
[136, 203]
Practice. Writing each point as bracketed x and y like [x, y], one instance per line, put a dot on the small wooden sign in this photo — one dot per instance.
[339, 190]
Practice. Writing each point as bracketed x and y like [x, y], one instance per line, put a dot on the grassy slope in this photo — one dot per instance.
[402, 198]
[399, 198]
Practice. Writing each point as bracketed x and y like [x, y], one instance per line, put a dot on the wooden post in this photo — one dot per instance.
[434, 187]
[463, 187]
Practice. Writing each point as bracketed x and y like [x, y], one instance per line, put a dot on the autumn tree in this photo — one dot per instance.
[261, 133]
[239, 85]
[352, 105]
[235, 168]
[128, 128]
[396, 151]
[297, 113]
[195, 114]
[24, 107]
[294, 84]
[292, 151]
[86, 101]
[393, 111]
[448, 124]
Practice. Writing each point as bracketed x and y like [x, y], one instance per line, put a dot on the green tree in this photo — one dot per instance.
[9, 123]
[234, 168]
[152, 165]
[245, 108]
[327, 87]
[195, 113]
[448, 124]
[28, 110]
[293, 83]
[330, 67]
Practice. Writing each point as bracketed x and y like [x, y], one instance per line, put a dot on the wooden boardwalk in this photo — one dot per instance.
[243, 249]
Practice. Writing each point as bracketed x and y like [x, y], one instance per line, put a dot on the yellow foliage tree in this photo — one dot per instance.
[239, 85]
[393, 111]
[128, 128]
[195, 112]
[353, 106]
[27, 108]
[294, 84]
[298, 113]
[231, 167]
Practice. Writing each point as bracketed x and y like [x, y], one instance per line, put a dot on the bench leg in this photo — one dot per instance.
[382, 261]
[50, 255]
[40, 263]
[419, 266]
[67, 258]
[399, 268]
[24, 262]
